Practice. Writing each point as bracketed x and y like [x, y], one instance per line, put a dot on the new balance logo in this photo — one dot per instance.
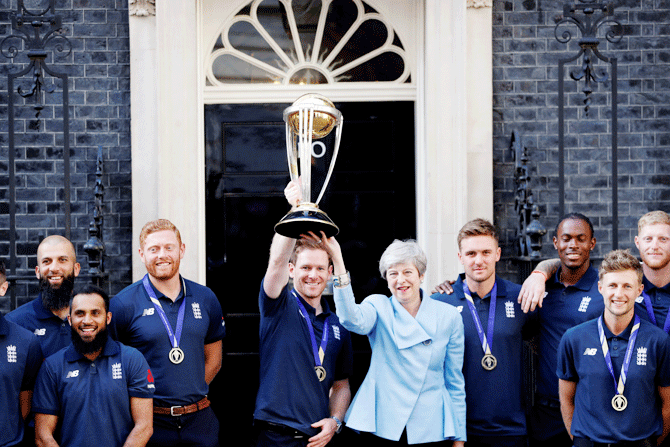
[40, 331]
[74, 373]
[591, 351]
[509, 309]
[149, 311]
[584, 304]
[639, 299]
[459, 308]
[336, 331]
[196, 311]
[11, 354]
[116, 371]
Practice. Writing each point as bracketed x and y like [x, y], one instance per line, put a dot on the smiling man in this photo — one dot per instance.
[491, 315]
[178, 325]
[615, 371]
[46, 316]
[97, 389]
[303, 394]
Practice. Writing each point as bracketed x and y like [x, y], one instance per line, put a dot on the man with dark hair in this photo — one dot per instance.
[46, 315]
[303, 396]
[20, 358]
[625, 399]
[492, 317]
[150, 315]
[572, 298]
[98, 390]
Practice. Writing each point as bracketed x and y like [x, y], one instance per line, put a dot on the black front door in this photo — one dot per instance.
[371, 197]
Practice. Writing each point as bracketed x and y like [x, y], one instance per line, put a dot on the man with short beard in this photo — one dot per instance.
[98, 389]
[149, 315]
[46, 315]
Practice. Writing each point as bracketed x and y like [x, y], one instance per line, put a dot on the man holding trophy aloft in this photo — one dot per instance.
[305, 354]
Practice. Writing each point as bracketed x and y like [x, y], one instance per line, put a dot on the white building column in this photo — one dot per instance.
[167, 172]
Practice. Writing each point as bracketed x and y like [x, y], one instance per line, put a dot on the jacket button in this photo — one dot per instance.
[427, 342]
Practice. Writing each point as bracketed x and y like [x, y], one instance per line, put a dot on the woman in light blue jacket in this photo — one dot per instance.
[414, 391]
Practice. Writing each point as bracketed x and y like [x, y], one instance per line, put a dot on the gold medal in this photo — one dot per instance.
[176, 355]
[619, 402]
[489, 362]
[320, 373]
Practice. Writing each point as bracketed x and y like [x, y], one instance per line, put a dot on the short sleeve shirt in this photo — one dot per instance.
[491, 412]
[52, 332]
[135, 322]
[563, 308]
[20, 359]
[92, 398]
[290, 392]
[581, 360]
[660, 302]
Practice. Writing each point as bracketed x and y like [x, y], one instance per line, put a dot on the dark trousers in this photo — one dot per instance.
[559, 440]
[370, 440]
[199, 429]
[496, 441]
[583, 442]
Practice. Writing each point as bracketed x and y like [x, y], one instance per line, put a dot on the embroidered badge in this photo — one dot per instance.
[509, 309]
[11, 354]
[584, 304]
[116, 371]
[642, 356]
[196, 311]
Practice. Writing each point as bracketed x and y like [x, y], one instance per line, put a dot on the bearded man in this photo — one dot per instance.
[149, 315]
[46, 315]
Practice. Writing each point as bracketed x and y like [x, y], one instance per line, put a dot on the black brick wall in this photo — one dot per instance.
[525, 86]
[99, 83]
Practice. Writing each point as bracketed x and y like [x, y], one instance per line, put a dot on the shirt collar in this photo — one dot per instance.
[111, 348]
[325, 308]
[184, 291]
[501, 291]
[625, 335]
[41, 312]
[584, 284]
[649, 286]
[4, 325]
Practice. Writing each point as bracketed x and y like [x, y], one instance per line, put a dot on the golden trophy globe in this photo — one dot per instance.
[310, 117]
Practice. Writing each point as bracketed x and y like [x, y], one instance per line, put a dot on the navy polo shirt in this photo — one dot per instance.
[563, 308]
[581, 360]
[52, 332]
[20, 359]
[92, 398]
[660, 302]
[290, 392]
[136, 323]
[494, 399]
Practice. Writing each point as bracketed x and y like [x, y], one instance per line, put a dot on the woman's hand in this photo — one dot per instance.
[293, 192]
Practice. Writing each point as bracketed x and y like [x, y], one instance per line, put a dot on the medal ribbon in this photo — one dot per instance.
[650, 312]
[174, 336]
[629, 353]
[320, 352]
[486, 339]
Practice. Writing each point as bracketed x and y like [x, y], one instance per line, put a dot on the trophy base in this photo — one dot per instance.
[303, 219]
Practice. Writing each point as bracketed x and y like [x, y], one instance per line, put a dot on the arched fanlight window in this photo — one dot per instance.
[307, 42]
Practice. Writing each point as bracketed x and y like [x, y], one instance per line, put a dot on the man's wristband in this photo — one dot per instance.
[341, 280]
[541, 273]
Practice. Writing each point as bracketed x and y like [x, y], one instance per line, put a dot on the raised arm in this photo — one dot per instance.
[533, 288]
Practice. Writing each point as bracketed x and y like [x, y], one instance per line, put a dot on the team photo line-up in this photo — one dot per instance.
[78, 368]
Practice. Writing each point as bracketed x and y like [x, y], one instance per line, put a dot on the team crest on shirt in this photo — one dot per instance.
[41, 331]
[11, 354]
[74, 373]
[116, 371]
[642, 356]
[639, 299]
[196, 311]
[149, 311]
[336, 331]
[584, 304]
[509, 309]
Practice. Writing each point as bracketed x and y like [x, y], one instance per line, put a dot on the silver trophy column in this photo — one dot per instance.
[310, 117]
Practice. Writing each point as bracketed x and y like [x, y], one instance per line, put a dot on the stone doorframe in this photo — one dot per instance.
[453, 125]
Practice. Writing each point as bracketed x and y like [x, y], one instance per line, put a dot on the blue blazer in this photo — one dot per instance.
[415, 380]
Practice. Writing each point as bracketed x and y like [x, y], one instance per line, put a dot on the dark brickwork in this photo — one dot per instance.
[525, 85]
[99, 82]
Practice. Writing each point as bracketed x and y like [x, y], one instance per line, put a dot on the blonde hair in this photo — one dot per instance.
[155, 226]
[477, 227]
[618, 261]
[651, 218]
